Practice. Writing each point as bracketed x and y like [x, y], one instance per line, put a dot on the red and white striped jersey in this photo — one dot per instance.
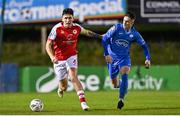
[65, 40]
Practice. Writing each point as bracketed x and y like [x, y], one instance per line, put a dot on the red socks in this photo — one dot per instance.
[81, 96]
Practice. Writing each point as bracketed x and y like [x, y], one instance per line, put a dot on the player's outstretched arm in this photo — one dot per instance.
[90, 34]
[143, 44]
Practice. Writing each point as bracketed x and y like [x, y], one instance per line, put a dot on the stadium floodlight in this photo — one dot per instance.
[2, 29]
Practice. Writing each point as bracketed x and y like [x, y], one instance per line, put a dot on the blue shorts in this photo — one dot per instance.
[117, 64]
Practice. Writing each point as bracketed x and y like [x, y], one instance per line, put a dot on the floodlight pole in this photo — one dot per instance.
[2, 29]
[43, 39]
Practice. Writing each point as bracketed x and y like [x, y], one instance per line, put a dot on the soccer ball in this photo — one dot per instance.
[36, 105]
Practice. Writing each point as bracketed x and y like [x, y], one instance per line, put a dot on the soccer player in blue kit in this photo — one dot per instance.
[116, 43]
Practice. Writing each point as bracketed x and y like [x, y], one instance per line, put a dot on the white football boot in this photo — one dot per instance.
[84, 106]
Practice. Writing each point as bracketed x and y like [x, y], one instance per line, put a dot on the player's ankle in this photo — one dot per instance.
[121, 99]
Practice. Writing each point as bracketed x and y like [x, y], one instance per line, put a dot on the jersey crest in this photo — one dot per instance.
[131, 35]
[74, 31]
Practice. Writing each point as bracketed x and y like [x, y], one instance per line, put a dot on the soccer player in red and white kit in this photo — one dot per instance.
[61, 47]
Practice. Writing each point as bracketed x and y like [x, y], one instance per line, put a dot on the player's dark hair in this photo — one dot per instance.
[68, 11]
[131, 15]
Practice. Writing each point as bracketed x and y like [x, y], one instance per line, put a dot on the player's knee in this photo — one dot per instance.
[125, 70]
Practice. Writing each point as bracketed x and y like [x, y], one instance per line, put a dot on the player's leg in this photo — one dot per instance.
[115, 82]
[61, 73]
[78, 87]
[123, 86]
[72, 62]
[124, 70]
[75, 81]
[113, 73]
[63, 84]
[124, 78]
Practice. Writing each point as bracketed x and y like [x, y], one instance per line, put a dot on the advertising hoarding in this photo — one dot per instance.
[157, 78]
[9, 78]
[28, 11]
[156, 11]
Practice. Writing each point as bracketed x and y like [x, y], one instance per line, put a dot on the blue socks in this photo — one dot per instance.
[123, 86]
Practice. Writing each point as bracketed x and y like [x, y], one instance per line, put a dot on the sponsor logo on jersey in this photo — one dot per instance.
[70, 36]
[120, 33]
[121, 42]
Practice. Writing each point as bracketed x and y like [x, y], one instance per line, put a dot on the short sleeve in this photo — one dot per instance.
[83, 30]
[52, 34]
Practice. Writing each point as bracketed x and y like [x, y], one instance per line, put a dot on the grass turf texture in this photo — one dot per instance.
[101, 103]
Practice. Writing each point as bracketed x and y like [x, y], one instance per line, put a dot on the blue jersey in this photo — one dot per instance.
[117, 41]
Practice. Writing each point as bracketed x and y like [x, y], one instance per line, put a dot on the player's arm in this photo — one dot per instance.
[143, 44]
[49, 50]
[147, 55]
[49, 45]
[106, 41]
[90, 34]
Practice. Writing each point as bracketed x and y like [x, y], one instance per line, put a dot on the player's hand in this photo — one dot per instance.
[54, 60]
[147, 64]
[108, 59]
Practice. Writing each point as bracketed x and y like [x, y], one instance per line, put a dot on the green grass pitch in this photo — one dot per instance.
[101, 103]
